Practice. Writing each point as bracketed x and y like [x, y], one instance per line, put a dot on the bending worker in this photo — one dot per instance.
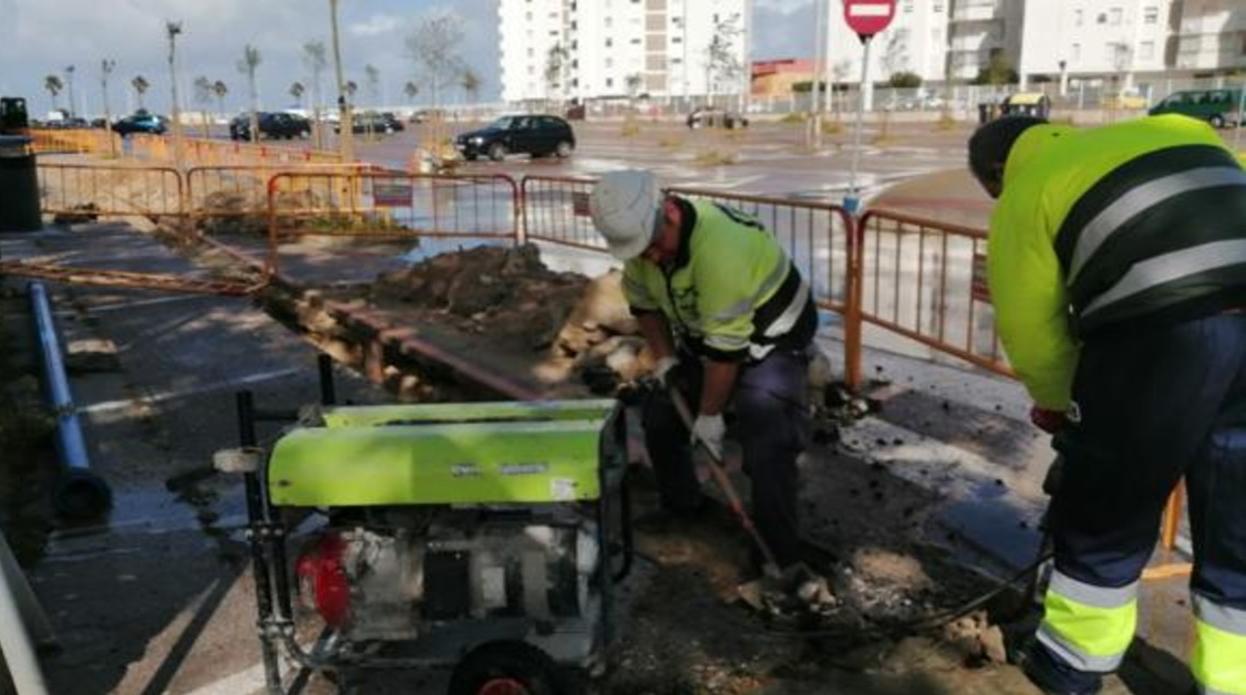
[1117, 266]
[727, 315]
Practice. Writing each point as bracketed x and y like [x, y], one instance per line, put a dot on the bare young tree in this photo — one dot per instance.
[203, 97]
[410, 89]
[247, 65]
[470, 82]
[434, 47]
[722, 64]
[54, 85]
[140, 85]
[316, 58]
[296, 90]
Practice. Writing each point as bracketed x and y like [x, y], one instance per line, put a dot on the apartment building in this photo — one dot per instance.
[589, 49]
[915, 42]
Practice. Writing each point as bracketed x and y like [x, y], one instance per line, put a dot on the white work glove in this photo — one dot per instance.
[709, 430]
[663, 368]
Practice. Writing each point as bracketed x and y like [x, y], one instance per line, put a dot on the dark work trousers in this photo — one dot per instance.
[1154, 405]
[769, 420]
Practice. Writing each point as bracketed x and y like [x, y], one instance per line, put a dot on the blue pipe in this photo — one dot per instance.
[79, 493]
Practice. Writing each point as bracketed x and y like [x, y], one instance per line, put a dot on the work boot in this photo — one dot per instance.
[1054, 677]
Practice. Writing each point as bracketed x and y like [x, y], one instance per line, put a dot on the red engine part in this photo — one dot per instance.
[320, 570]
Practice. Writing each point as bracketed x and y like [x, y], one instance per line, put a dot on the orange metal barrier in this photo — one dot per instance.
[377, 206]
[241, 190]
[207, 152]
[926, 281]
[555, 210]
[74, 141]
[78, 189]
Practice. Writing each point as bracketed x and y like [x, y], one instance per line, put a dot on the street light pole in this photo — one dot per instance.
[173, 29]
[343, 103]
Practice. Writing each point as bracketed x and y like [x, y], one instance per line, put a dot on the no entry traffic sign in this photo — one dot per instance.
[868, 17]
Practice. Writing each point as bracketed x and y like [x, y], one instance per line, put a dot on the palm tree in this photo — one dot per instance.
[53, 84]
[140, 85]
[410, 90]
[203, 96]
[246, 65]
[296, 91]
[220, 89]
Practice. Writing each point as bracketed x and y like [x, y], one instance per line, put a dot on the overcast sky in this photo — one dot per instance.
[41, 37]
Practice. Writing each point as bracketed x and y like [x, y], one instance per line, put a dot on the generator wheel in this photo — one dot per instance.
[506, 668]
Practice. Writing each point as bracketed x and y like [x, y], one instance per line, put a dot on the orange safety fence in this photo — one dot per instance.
[208, 152]
[381, 215]
[101, 189]
[555, 210]
[926, 280]
[241, 190]
[74, 141]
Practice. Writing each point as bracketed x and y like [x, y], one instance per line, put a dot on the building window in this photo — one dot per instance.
[531, 52]
[553, 32]
[609, 43]
[676, 39]
[609, 22]
[635, 42]
[1150, 15]
[1077, 52]
[609, 62]
[908, 7]
[609, 81]
[938, 7]
[1146, 50]
[1102, 18]
[528, 16]
[1077, 18]
[676, 61]
[1116, 16]
[531, 70]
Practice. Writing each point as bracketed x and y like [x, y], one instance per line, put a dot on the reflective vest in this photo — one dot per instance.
[732, 293]
[1132, 222]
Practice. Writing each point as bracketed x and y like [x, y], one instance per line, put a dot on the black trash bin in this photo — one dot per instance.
[986, 112]
[19, 185]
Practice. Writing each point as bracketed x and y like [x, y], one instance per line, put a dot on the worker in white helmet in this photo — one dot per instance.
[727, 315]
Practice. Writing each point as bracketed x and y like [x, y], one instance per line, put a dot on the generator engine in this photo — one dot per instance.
[385, 574]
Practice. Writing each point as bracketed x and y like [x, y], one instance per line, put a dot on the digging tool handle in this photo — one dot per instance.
[724, 483]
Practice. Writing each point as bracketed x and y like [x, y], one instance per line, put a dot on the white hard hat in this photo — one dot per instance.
[624, 206]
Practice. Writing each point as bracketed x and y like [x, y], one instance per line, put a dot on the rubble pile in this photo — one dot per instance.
[582, 326]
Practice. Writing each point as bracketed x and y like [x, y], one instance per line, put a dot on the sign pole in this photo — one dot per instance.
[867, 18]
[852, 201]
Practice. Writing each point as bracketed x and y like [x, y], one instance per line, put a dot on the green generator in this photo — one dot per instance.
[483, 537]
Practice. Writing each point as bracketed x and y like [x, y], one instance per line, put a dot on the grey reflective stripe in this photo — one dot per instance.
[1070, 655]
[784, 322]
[1171, 266]
[1091, 595]
[1143, 198]
[1231, 620]
[726, 343]
[1204, 690]
[759, 352]
[768, 287]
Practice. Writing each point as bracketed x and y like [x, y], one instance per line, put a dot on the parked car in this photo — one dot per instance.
[424, 115]
[272, 125]
[1219, 107]
[372, 122]
[141, 122]
[535, 135]
[714, 117]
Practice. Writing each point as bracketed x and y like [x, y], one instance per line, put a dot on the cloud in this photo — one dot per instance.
[374, 25]
[783, 29]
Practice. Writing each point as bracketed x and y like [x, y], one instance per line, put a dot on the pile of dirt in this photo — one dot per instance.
[581, 327]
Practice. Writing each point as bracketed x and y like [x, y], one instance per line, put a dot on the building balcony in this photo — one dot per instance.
[976, 11]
